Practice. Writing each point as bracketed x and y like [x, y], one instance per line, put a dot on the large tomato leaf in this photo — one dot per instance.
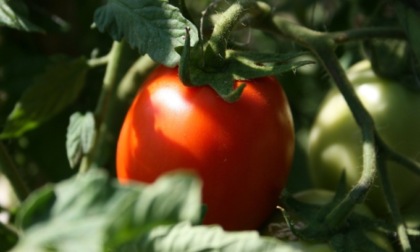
[52, 92]
[80, 136]
[14, 14]
[153, 27]
[185, 237]
[91, 212]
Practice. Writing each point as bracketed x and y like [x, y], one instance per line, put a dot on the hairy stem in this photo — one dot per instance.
[393, 205]
[216, 50]
[322, 46]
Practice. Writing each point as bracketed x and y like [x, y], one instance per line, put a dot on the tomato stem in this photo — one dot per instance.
[323, 46]
[396, 157]
[393, 205]
[113, 74]
[131, 81]
[215, 51]
[95, 62]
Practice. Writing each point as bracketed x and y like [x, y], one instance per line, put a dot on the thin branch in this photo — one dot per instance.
[399, 158]
[95, 62]
[118, 102]
[108, 89]
[393, 205]
[323, 48]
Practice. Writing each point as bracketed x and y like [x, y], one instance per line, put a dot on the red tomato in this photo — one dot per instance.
[242, 150]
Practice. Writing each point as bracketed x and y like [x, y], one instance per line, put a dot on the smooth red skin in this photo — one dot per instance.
[242, 151]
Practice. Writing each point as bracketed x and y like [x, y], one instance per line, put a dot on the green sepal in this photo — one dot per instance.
[240, 65]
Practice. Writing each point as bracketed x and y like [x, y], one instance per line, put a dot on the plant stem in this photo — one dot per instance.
[358, 192]
[322, 46]
[119, 100]
[111, 78]
[126, 90]
[215, 52]
[10, 170]
[393, 205]
[131, 81]
[98, 61]
[396, 157]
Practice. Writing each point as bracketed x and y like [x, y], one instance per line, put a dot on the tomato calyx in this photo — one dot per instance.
[212, 63]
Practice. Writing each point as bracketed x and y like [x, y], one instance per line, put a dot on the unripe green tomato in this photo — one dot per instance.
[335, 141]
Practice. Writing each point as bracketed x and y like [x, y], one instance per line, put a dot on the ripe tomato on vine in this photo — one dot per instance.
[242, 151]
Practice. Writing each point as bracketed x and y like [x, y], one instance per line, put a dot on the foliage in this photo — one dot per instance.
[68, 72]
[94, 212]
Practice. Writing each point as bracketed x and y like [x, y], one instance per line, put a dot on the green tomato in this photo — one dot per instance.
[335, 141]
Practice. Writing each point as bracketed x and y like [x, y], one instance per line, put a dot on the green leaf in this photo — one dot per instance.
[52, 92]
[184, 237]
[14, 14]
[170, 200]
[80, 136]
[241, 66]
[152, 26]
[92, 213]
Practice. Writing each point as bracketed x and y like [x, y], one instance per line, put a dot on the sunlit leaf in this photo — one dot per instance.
[91, 212]
[184, 237]
[152, 26]
[80, 136]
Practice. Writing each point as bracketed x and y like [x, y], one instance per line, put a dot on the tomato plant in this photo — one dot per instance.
[241, 150]
[335, 139]
[72, 96]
